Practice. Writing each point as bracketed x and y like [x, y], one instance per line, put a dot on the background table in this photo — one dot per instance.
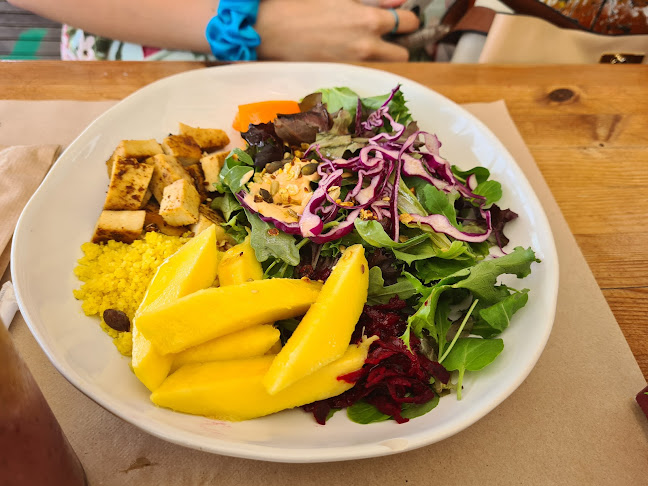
[586, 126]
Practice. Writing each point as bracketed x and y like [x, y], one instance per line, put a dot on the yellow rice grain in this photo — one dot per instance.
[115, 276]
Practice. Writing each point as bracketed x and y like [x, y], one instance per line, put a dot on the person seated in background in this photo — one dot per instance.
[286, 30]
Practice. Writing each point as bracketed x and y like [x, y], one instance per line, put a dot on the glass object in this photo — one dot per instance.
[33, 448]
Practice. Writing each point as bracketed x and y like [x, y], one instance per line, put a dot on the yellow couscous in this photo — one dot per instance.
[115, 276]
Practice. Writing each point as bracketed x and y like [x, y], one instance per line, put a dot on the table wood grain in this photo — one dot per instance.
[586, 126]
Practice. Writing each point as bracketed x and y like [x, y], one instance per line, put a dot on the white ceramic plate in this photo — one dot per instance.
[62, 213]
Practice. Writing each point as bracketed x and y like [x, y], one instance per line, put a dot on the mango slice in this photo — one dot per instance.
[232, 390]
[239, 264]
[248, 343]
[193, 267]
[324, 333]
[214, 312]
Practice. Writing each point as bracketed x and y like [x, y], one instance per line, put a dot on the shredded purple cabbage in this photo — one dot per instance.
[384, 158]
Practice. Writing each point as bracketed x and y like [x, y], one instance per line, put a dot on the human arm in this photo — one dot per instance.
[342, 30]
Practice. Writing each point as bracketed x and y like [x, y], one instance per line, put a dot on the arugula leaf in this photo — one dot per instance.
[373, 233]
[427, 249]
[420, 247]
[226, 204]
[438, 268]
[268, 242]
[364, 413]
[491, 190]
[423, 318]
[472, 354]
[481, 278]
[481, 173]
[378, 293]
[413, 410]
[237, 167]
[494, 319]
[442, 321]
[416, 283]
[236, 227]
[439, 202]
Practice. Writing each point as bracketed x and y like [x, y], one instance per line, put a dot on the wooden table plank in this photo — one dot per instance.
[586, 126]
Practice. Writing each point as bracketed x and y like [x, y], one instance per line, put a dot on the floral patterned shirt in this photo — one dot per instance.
[77, 45]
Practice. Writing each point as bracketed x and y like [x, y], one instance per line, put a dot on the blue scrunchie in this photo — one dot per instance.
[231, 33]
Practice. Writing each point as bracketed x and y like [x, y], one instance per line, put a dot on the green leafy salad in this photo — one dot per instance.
[348, 170]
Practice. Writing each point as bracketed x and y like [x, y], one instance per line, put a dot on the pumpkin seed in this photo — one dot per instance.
[309, 169]
[273, 166]
[267, 197]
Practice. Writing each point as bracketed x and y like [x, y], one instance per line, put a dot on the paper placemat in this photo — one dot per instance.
[573, 421]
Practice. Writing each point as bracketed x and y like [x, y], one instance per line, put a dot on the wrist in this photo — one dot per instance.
[230, 33]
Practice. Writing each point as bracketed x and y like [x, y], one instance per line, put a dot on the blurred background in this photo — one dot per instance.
[27, 36]
[601, 26]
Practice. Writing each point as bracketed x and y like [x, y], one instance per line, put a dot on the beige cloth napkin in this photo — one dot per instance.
[22, 168]
[572, 422]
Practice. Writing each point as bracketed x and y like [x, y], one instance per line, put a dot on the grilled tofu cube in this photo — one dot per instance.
[196, 173]
[179, 205]
[147, 197]
[211, 166]
[154, 222]
[183, 148]
[166, 170]
[202, 224]
[136, 149]
[124, 226]
[207, 138]
[129, 181]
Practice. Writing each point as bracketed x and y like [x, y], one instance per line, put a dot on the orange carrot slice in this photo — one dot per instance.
[262, 112]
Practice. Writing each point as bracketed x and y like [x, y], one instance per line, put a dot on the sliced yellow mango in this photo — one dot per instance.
[324, 333]
[254, 341]
[193, 267]
[239, 264]
[232, 390]
[214, 312]
[150, 367]
[276, 347]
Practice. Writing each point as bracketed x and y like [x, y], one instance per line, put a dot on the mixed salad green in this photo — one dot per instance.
[348, 170]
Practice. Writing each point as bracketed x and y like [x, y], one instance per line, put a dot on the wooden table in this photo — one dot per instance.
[586, 126]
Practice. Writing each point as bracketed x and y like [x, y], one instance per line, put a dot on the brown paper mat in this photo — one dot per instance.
[573, 421]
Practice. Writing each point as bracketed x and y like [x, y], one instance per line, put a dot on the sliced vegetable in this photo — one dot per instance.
[248, 343]
[239, 264]
[210, 313]
[233, 390]
[330, 320]
[192, 267]
[262, 112]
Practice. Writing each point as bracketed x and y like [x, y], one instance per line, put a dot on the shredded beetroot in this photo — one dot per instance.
[392, 374]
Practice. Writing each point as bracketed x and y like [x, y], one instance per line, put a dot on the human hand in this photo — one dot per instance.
[331, 30]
